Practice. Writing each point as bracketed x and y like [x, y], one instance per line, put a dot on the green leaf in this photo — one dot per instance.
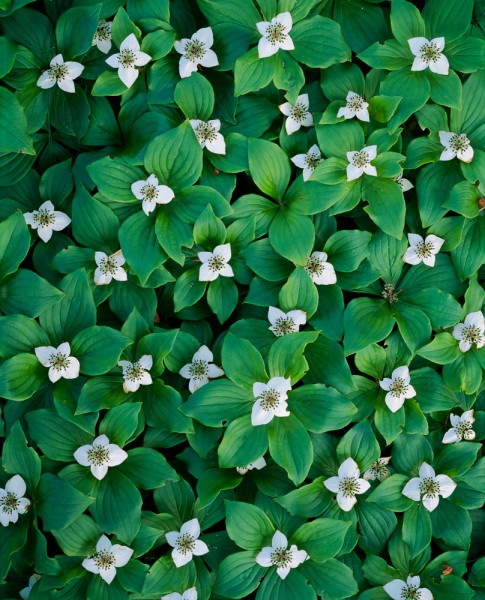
[72, 40]
[19, 459]
[388, 494]
[248, 525]
[14, 243]
[195, 97]
[209, 230]
[406, 21]
[269, 167]
[321, 538]
[93, 223]
[299, 293]
[442, 350]
[291, 225]
[59, 503]
[120, 423]
[290, 447]
[361, 444]
[386, 205]
[332, 579]
[376, 526]
[347, 249]
[391, 56]
[13, 123]
[98, 349]
[113, 178]
[405, 79]
[252, 73]
[320, 408]
[449, 21]
[21, 376]
[26, 293]
[238, 575]
[242, 443]
[319, 43]
[366, 321]
[242, 363]
[188, 289]
[222, 297]
[281, 359]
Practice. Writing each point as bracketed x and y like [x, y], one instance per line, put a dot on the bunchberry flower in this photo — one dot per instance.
[129, 57]
[196, 51]
[429, 54]
[360, 163]
[208, 136]
[107, 559]
[405, 184]
[378, 470]
[185, 543]
[215, 263]
[462, 428]
[309, 161]
[257, 464]
[275, 35]
[283, 323]
[280, 556]
[270, 400]
[320, 271]
[109, 267]
[62, 73]
[471, 332]
[151, 193]
[59, 361]
[136, 374]
[408, 590]
[100, 455]
[422, 250]
[102, 37]
[397, 388]
[12, 500]
[347, 485]
[201, 369]
[298, 114]
[46, 220]
[356, 107]
[456, 144]
[428, 487]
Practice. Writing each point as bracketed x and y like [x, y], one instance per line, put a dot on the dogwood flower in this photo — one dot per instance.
[283, 323]
[151, 193]
[129, 57]
[347, 485]
[378, 470]
[280, 556]
[102, 37]
[208, 136]
[429, 54]
[429, 486]
[25, 592]
[472, 331]
[196, 51]
[270, 400]
[59, 361]
[100, 455]
[422, 250]
[320, 271]
[359, 163]
[257, 464]
[12, 500]
[185, 543]
[136, 374]
[46, 220]
[462, 428]
[201, 369]
[298, 114]
[109, 267]
[397, 388]
[409, 590]
[405, 184]
[356, 107]
[215, 263]
[107, 559]
[190, 594]
[309, 161]
[62, 73]
[275, 35]
[456, 144]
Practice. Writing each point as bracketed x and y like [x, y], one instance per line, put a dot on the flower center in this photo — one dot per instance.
[459, 142]
[398, 387]
[58, 72]
[314, 266]
[355, 103]
[379, 469]
[472, 334]
[9, 503]
[424, 250]
[276, 33]
[284, 326]
[107, 265]
[127, 58]
[299, 112]
[430, 487]
[59, 361]
[244, 470]
[205, 132]
[44, 217]
[185, 543]
[361, 159]
[312, 160]
[194, 50]
[98, 455]
[103, 32]
[149, 192]
[216, 262]
[134, 372]
[269, 399]
[199, 369]
[463, 428]
[390, 293]
[349, 486]
[410, 592]
[104, 559]
[281, 557]
[430, 52]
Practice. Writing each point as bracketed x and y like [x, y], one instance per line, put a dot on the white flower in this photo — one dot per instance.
[405, 184]
[109, 267]
[151, 193]
[347, 484]
[378, 469]
[430, 486]
[298, 114]
[185, 543]
[320, 271]
[309, 161]
[196, 51]
[201, 369]
[456, 144]
[356, 107]
[359, 163]
[59, 361]
[429, 54]
[102, 37]
[409, 590]
[275, 35]
[46, 220]
[462, 428]
[190, 594]
[283, 323]
[215, 263]
[257, 464]
[422, 250]
[107, 558]
[207, 133]
[100, 455]
[280, 556]
[62, 73]
[270, 400]
[127, 59]
[397, 388]
[136, 374]
[472, 331]
[25, 592]
[12, 501]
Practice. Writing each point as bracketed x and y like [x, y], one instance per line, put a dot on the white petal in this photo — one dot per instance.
[411, 257]
[203, 353]
[186, 68]
[23, 505]
[217, 145]
[103, 544]
[142, 59]
[439, 42]
[370, 170]
[475, 318]
[354, 172]
[146, 362]
[430, 503]
[72, 371]
[16, 485]
[200, 548]
[346, 502]
[416, 43]
[371, 151]
[394, 403]
[281, 385]
[130, 43]
[104, 46]
[298, 316]
[279, 540]
[411, 489]
[186, 371]
[191, 528]
[275, 313]
[190, 594]
[81, 455]
[101, 440]
[264, 557]
[54, 375]
[224, 250]
[447, 485]
[466, 155]
[66, 85]
[259, 388]
[363, 114]
[164, 194]
[280, 410]
[259, 416]
[45, 81]
[206, 273]
[401, 373]
[122, 554]
[426, 470]
[209, 59]
[90, 565]
[429, 261]
[386, 383]
[465, 345]
[285, 19]
[75, 69]
[214, 371]
[394, 589]
[451, 437]
[172, 537]
[348, 468]
[303, 99]
[179, 45]
[291, 125]
[148, 205]
[108, 574]
[287, 44]
[346, 112]
[297, 557]
[205, 36]
[116, 457]
[57, 60]
[425, 594]
[283, 572]
[180, 559]
[441, 66]
[436, 241]
[99, 471]
[308, 120]
[44, 354]
[468, 416]
[120, 274]
[113, 61]
[137, 187]
[419, 64]
[226, 271]
[363, 486]
[448, 154]
[445, 137]
[332, 484]
[285, 109]
[128, 75]
[146, 379]
[45, 233]
[413, 580]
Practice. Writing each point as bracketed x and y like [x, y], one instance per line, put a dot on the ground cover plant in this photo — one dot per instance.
[242, 333]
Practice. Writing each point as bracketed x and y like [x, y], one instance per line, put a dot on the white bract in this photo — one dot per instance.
[257, 464]
[359, 163]
[378, 470]
[397, 388]
[208, 136]
[185, 543]
[456, 144]
[429, 54]
[59, 361]
[190, 594]
[270, 400]
[215, 263]
[100, 455]
[136, 374]
[102, 37]
[462, 428]
[283, 323]
[347, 485]
[151, 193]
[280, 556]
[107, 559]
[309, 161]
[196, 51]
[12, 500]
[422, 250]
[109, 267]
[298, 114]
[428, 487]
[471, 332]
[407, 590]
[275, 35]
[405, 184]
[356, 107]
[320, 271]
[46, 220]
[129, 57]
[25, 592]
[201, 369]
[62, 73]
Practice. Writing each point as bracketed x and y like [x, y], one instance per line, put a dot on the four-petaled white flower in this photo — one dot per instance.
[347, 485]
[46, 220]
[12, 500]
[109, 267]
[405, 184]
[472, 331]
[298, 114]
[100, 455]
[422, 250]
[190, 594]
[215, 263]
[151, 193]
[201, 369]
[62, 73]
[429, 487]
[397, 388]
[107, 559]
[129, 57]
[59, 361]
[309, 161]
[275, 35]
[196, 51]
[283, 323]
[462, 428]
[102, 37]
[456, 144]
[208, 136]
[429, 54]
[270, 400]
[25, 592]
[359, 163]
[280, 556]
[378, 469]
[356, 107]
[257, 464]
[398, 589]
[136, 374]
[185, 543]
[320, 271]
